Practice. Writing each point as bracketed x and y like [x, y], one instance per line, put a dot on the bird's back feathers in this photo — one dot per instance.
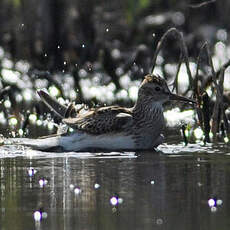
[102, 120]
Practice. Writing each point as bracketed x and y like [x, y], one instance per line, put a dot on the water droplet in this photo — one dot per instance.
[114, 209]
[133, 90]
[159, 221]
[20, 132]
[31, 171]
[10, 76]
[113, 201]
[96, 186]
[50, 125]
[199, 184]
[18, 97]
[27, 94]
[226, 139]
[13, 134]
[222, 35]
[39, 122]
[178, 18]
[71, 186]
[7, 104]
[82, 73]
[13, 121]
[119, 71]
[2, 139]
[33, 118]
[198, 133]
[44, 215]
[213, 209]
[116, 53]
[54, 91]
[37, 216]
[187, 133]
[219, 202]
[77, 191]
[42, 182]
[211, 202]
[120, 200]
[71, 130]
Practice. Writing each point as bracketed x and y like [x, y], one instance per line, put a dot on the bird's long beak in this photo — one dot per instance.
[180, 98]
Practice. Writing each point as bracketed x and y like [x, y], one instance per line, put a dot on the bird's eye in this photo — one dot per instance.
[157, 88]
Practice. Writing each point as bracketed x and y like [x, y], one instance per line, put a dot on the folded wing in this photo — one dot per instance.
[102, 120]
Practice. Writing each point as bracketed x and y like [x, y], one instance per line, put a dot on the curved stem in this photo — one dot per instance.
[183, 47]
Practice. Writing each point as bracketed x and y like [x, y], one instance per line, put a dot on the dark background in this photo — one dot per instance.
[62, 42]
[58, 34]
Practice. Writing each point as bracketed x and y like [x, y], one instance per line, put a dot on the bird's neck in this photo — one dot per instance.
[147, 108]
[148, 121]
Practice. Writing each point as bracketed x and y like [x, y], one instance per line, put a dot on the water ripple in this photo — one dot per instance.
[171, 150]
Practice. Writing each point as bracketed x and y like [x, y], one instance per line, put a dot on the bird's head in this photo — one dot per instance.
[155, 88]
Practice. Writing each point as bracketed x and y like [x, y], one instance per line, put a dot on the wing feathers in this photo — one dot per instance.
[95, 121]
[100, 121]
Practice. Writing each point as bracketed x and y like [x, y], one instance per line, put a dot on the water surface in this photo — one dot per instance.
[168, 189]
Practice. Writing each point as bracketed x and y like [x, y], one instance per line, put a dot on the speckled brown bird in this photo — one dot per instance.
[113, 128]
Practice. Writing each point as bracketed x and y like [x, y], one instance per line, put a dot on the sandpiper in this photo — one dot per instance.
[113, 127]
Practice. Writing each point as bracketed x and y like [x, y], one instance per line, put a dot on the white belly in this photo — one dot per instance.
[86, 142]
[82, 141]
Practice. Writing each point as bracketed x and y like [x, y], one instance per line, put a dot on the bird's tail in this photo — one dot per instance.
[59, 109]
[48, 143]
